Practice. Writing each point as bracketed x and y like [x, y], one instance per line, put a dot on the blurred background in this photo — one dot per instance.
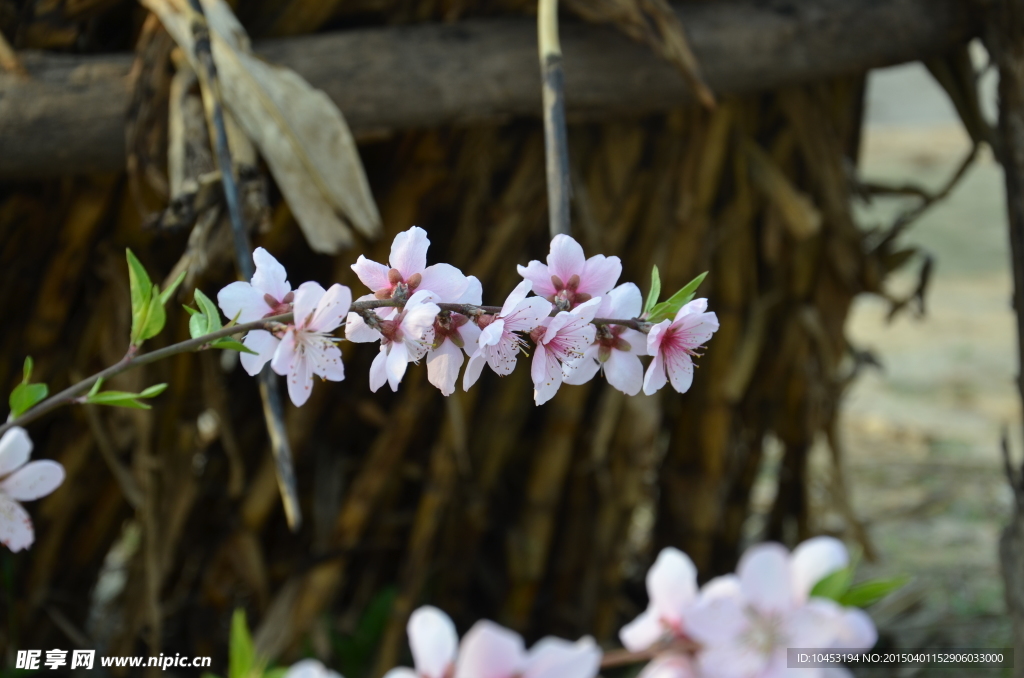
[851, 214]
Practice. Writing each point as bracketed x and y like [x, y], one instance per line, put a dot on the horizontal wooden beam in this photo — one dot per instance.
[69, 117]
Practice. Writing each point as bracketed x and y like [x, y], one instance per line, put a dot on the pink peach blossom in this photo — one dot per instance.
[673, 342]
[560, 341]
[267, 294]
[745, 622]
[454, 334]
[616, 347]
[307, 347]
[434, 644]
[671, 590]
[21, 480]
[408, 272]
[498, 345]
[569, 278]
[405, 337]
[492, 651]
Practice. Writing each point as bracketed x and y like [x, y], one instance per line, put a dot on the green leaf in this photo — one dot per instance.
[671, 306]
[835, 585]
[190, 310]
[165, 296]
[141, 293]
[866, 593]
[210, 310]
[197, 324]
[654, 292]
[277, 672]
[153, 391]
[207, 674]
[154, 319]
[95, 388]
[123, 398]
[227, 343]
[25, 396]
[241, 653]
[117, 399]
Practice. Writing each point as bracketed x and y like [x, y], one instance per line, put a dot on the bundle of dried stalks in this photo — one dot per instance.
[480, 503]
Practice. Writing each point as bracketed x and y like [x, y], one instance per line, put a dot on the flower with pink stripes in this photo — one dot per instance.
[560, 342]
[673, 343]
[569, 278]
[498, 344]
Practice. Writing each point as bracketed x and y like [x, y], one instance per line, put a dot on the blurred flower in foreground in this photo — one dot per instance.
[310, 668]
[672, 589]
[492, 651]
[21, 480]
[434, 644]
[745, 622]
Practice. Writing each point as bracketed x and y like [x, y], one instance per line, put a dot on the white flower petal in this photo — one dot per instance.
[583, 370]
[331, 308]
[310, 668]
[566, 258]
[409, 252]
[624, 302]
[600, 273]
[357, 331]
[397, 362]
[765, 578]
[680, 370]
[401, 672]
[470, 334]
[473, 369]
[325, 359]
[307, 297]
[444, 280]
[372, 274]
[528, 314]
[672, 584]
[15, 525]
[285, 354]
[242, 300]
[815, 559]
[513, 299]
[300, 379]
[270, 277]
[655, 377]
[15, 449]
[490, 651]
[732, 661]
[716, 621]
[546, 373]
[557, 658]
[474, 293]
[669, 666]
[33, 480]
[433, 641]
[642, 632]
[625, 372]
[443, 365]
[378, 370]
[539, 276]
[265, 344]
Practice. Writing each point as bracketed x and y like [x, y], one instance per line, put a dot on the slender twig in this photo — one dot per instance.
[134, 359]
[270, 392]
[131, 361]
[556, 146]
